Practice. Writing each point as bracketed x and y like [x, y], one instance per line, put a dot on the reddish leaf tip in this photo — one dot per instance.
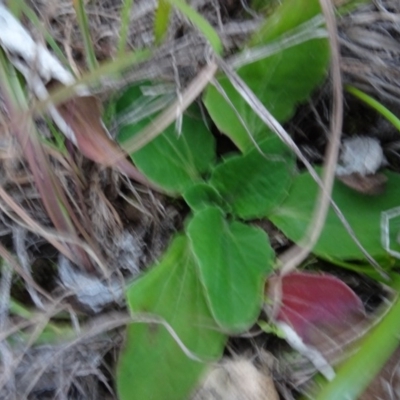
[311, 299]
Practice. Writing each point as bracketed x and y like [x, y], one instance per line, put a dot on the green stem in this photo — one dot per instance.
[380, 108]
[201, 23]
[161, 20]
[354, 375]
[125, 19]
[87, 40]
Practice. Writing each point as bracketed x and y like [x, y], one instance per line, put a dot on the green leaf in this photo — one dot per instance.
[253, 184]
[234, 260]
[290, 14]
[173, 161]
[202, 195]
[281, 81]
[152, 364]
[363, 213]
[161, 20]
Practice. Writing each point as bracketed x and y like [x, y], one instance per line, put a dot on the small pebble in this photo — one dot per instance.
[362, 155]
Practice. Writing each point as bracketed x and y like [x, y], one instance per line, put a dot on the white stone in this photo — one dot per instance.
[360, 154]
[236, 379]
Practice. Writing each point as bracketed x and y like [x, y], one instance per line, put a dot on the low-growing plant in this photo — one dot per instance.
[210, 282]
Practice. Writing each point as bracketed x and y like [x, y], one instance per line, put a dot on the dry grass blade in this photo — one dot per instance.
[22, 126]
[80, 118]
[170, 114]
[5, 254]
[100, 326]
[53, 237]
[293, 257]
[51, 193]
[370, 49]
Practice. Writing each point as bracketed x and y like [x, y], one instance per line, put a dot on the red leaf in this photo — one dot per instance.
[310, 300]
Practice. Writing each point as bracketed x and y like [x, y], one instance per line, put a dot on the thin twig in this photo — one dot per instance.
[297, 254]
[169, 115]
[103, 324]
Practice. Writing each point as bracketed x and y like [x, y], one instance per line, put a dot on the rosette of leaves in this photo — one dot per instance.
[210, 281]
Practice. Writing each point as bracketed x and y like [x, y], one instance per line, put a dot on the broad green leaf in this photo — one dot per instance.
[133, 102]
[280, 81]
[203, 195]
[234, 260]
[255, 183]
[173, 161]
[290, 14]
[363, 213]
[152, 364]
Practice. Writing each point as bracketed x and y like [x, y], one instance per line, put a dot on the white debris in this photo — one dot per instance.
[16, 40]
[237, 379]
[36, 64]
[90, 291]
[362, 155]
[129, 252]
[310, 352]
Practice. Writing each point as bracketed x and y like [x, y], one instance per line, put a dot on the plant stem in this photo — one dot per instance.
[379, 107]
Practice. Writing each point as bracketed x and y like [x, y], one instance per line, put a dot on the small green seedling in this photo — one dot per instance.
[210, 282]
